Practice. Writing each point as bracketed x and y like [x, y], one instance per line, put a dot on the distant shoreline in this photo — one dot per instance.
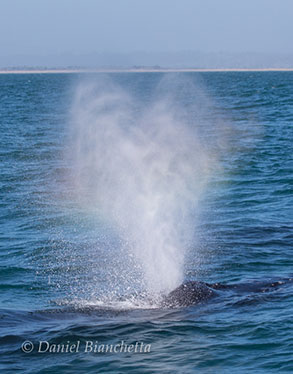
[142, 70]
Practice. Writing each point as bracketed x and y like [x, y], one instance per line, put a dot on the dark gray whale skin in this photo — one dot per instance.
[189, 293]
[194, 292]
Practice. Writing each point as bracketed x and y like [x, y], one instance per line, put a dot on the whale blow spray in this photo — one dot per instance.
[141, 164]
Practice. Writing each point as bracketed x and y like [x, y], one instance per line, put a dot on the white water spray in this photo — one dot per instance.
[142, 167]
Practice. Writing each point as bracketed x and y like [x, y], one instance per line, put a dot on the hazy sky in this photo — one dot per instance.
[54, 27]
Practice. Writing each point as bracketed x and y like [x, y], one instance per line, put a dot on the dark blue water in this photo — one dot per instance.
[54, 254]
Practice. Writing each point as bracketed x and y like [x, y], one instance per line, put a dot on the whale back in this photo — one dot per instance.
[188, 293]
[191, 293]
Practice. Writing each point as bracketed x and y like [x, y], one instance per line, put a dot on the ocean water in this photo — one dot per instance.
[69, 277]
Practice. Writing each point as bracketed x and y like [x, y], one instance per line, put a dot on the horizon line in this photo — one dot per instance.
[133, 70]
